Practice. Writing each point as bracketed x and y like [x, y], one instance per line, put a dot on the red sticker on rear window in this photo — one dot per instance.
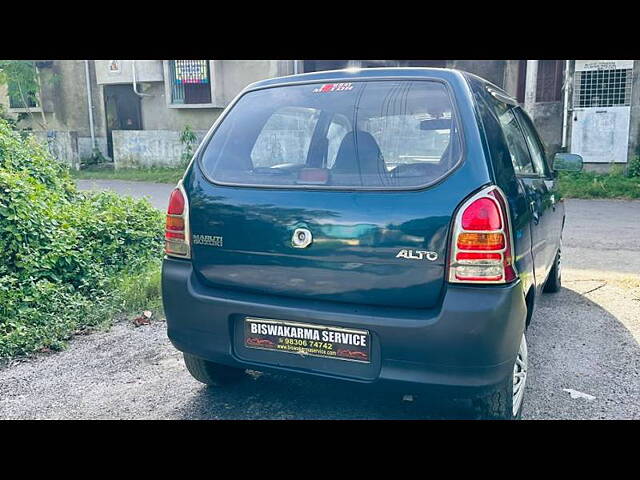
[333, 87]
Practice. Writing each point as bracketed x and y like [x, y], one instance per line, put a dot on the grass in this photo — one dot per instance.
[595, 185]
[135, 292]
[155, 175]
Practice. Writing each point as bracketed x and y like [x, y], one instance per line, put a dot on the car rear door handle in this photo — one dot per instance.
[534, 212]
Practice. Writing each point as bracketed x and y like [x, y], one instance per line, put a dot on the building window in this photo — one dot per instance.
[23, 94]
[20, 98]
[190, 81]
[602, 88]
[549, 83]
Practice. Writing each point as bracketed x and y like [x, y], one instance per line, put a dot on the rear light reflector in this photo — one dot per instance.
[176, 203]
[175, 223]
[483, 214]
[481, 250]
[176, 237]
[478, 266]
[462, 256]
[481, 241]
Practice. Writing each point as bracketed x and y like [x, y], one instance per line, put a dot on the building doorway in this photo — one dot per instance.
[601, 110]
[123, 112]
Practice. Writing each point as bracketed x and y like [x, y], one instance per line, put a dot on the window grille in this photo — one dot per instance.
[20, 96]
[28, 99]
[190, 81]
[602, 88]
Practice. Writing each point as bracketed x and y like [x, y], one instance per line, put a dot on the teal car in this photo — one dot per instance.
[391, 226]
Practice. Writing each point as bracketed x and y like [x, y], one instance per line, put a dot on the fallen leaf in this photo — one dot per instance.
[141, 320]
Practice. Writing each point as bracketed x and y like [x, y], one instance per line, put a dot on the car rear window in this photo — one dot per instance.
[337, 135]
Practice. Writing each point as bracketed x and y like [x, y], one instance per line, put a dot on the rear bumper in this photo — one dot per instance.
[470, 340]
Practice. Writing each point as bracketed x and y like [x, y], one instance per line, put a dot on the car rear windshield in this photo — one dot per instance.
[374, 134]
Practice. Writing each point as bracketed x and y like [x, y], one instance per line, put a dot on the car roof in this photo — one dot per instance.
[345, 75]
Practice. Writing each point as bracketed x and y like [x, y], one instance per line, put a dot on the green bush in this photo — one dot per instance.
[633, 170]
[64, 253]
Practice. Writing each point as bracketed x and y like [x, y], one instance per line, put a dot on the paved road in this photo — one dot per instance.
[157, 193]
[585, 338]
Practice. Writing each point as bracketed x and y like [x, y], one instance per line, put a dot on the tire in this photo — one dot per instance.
[554, 282]
[212, 374]
[500, 402]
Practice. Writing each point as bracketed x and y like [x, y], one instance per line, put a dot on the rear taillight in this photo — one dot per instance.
[176, 234]
[482, 247]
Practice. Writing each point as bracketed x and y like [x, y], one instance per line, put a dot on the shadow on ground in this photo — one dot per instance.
[573, 343]
[576, 344]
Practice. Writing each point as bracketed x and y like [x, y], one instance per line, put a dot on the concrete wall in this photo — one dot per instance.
[149, 148]
[156, 115]
[67, 92]
[492, 70]
[510, 77]
[229, 77]
[63, 145]
[634, 126]
[547, 117]
[146, 71]
[64, 97]
[237, 74]
[85, 148]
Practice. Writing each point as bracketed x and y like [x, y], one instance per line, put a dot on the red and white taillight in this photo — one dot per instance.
[176, 234]
[482, 247]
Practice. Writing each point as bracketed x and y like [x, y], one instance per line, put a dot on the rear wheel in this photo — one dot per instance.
[212, 374]
[506, 399]
[554, 282]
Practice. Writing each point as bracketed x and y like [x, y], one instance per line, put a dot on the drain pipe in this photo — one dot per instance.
[135, 84]
[565, 106]
[90, 105]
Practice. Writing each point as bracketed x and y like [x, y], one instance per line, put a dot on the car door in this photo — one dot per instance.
[533, 184]
[553, 207]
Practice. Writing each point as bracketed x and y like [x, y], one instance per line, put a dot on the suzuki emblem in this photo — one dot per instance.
[301, 238]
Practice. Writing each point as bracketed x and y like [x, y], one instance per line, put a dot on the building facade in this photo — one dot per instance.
[134, 111]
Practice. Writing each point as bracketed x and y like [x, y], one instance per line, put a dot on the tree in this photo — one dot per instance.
[23, 84]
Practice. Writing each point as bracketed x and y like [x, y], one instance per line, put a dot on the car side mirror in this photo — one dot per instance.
[567, 162]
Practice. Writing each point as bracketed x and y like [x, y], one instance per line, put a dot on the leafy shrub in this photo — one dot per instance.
[188, 139]
[63, 251]
[633, 170]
